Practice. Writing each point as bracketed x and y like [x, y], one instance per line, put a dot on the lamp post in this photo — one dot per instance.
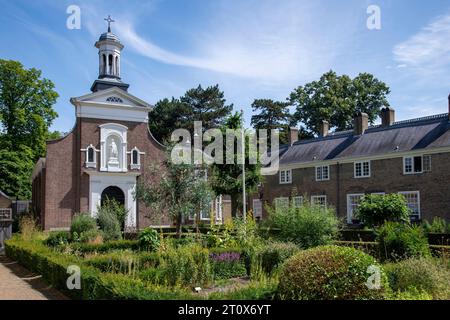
[244, 202]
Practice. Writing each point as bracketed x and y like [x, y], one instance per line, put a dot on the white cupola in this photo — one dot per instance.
[109, 50]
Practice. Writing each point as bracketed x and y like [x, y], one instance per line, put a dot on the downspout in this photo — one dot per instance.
[338, 192]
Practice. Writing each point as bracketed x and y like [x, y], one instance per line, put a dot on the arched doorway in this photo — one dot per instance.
[113, 193]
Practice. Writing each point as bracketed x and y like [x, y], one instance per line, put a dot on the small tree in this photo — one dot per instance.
[375, 209]
[182, 191]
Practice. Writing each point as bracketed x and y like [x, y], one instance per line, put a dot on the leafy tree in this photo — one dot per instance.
[26, 111]
[181, 191]
[375, 209]
[336, 99]
[227, 178]
[198, 104]
[15, 172]
[272, 115]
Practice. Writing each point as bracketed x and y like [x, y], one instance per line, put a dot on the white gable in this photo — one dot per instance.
[112, 104]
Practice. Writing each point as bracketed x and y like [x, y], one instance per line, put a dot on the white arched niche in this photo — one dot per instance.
[113, 147]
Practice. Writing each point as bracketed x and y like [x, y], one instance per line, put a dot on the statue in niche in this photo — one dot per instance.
[113, 153]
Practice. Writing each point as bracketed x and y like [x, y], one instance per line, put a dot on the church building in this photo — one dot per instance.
[106, 154]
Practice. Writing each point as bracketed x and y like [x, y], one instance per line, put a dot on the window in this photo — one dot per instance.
[362, 169]
[297, 201]
[319, 201]
[114, 100]
[285, 176]
[322, 173]
[91, 157]
[352, 203]
[413, 202]
[417, 164]
[281, 202]
[257, 208]
[135, 159]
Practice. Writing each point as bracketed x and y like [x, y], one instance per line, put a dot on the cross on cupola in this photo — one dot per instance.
[109, 51]
[109, 20]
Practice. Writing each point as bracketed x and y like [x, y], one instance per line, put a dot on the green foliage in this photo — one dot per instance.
[401, 240]
[227, 263]
[275, 253]
[108, 219]
[307, 226]
[113, 208]
[180, 191]
[58, 238]
[95, 285]
[86, 248]
[423, 274]
[198, 104]
[186, 266]
[149, 239]
[26, 111]
[263, 289]
[226, 178]
[82, 223]
[272, 115]
[410, 293]
[336, 99]
[16, 167]
[375, 209]
[329, 273]
[437, 225]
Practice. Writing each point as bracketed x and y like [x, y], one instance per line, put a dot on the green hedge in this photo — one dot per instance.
[95, 285]
[104, 247]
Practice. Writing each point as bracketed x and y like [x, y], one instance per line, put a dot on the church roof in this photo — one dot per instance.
[108, 36]
[404, 136]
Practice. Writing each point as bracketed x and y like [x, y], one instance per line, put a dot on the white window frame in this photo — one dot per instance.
[413, 171]
[320, 176]
[350, 209]
[258, 203]
[405, 193]
[362, 169]
[90, 164]
[319, 196]
[276, 202]
[297, 201]
[283, 177]
[135, 166]
[428, 168]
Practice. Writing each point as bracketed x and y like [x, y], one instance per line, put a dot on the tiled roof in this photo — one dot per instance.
[402, 136]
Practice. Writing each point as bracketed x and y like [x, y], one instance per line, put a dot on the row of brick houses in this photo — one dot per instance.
[410, 157]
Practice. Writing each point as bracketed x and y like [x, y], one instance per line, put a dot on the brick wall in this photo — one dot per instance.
[386, 176]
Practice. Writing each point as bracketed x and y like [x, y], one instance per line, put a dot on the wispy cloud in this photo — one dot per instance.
[428, 51]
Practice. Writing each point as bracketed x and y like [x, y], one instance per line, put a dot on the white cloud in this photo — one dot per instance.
[428, 51]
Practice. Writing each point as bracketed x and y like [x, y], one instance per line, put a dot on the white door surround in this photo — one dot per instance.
[99, 181]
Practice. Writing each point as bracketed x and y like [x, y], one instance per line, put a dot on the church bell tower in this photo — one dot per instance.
[109, 50]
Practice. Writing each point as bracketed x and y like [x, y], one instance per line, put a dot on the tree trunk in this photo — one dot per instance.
[234, 205]
[179, 225]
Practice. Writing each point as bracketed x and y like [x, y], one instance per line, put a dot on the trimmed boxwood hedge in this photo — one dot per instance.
[95, 285]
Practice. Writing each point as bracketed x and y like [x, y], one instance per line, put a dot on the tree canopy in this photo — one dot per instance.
[336, 99]
[271, 115]
[26, 113]
[197, 104]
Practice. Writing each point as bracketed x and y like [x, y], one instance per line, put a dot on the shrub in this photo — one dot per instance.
[149, 239]
[227, 263]
[57, 238]
[186, 266]
[28, 227]
[125, 262]
[81, 223]
[275, 253]
[114, 208]
[375, 209]
[401, 240]
[423, 274]
[109, 223]
[410, 294]
[91, 236]
[329, 273]
[264, 289]
[438, 225]
[307, 226]
[85, 248]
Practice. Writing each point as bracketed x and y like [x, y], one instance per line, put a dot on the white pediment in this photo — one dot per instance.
[113, 104]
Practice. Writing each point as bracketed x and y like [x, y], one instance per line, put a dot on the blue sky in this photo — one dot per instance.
[252, 49]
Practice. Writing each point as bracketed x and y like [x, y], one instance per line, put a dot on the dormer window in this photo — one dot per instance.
[114, 100]
[91, 157]
[135, 159]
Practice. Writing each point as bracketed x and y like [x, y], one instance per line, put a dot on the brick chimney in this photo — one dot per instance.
[387, 116]
[293, 135]
[324, 128]
[360, 123]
